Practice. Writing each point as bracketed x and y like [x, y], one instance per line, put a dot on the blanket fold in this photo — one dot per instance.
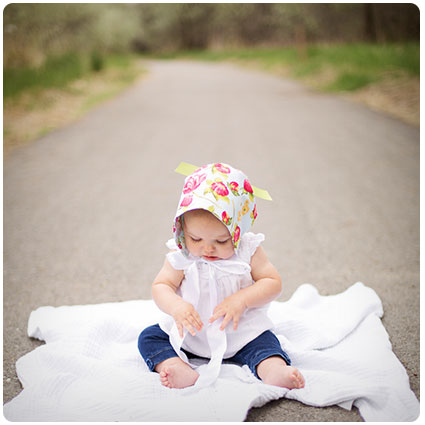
[90, 368]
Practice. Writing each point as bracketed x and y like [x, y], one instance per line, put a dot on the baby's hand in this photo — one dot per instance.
[231, 308]
[187, 317]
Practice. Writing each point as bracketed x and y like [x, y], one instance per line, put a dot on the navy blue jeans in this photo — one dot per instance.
[155, 347]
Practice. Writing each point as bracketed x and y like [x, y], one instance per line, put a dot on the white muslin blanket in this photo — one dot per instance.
[90, 368]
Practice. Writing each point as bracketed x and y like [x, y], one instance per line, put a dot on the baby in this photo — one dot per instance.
[215, 287]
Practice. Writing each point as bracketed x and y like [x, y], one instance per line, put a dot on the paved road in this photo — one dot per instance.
[87, 209]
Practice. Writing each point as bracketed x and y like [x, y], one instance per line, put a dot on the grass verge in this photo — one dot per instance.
[383, 76]
[32, 108]
[348, 67]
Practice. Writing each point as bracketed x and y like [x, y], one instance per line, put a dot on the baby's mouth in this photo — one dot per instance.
[207, 257]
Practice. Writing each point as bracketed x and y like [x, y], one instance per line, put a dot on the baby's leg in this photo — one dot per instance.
[175, 373]
[155, 347]
[265, 357]
[275, 371]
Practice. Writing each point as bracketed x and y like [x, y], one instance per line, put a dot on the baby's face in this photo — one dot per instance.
[206, 236]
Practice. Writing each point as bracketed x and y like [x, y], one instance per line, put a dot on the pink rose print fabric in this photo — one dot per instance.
[223, 191]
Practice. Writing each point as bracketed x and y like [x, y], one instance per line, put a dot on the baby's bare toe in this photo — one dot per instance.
[298, 379]
[163, 377]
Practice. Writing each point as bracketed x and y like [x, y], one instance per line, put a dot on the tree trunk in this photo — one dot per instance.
[370, 23]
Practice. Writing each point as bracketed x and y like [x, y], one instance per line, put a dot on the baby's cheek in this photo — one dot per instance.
[229, 252]
[190, 247]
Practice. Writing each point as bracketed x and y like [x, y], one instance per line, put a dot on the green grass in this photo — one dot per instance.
[352, 66]
[55, 72]
[40, 94]
[350, 81]
[59, 71]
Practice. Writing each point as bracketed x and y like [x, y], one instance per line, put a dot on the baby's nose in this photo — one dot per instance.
[209, 249]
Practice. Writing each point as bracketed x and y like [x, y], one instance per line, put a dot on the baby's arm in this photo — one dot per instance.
[266, 288]
[164, 294]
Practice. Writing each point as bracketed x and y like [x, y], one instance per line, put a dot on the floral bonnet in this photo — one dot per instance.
[222, 190]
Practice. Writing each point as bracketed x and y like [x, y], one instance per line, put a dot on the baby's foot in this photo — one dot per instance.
[175, 373]
[274, 371]
[287, 377]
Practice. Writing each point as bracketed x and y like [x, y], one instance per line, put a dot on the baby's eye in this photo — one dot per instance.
[195, 240]
[223, 242]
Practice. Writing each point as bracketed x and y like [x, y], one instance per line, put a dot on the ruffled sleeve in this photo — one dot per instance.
[171, 244]
[249, 244]
[176, 258]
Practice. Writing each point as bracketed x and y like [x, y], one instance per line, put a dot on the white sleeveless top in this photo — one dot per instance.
[205, 285]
